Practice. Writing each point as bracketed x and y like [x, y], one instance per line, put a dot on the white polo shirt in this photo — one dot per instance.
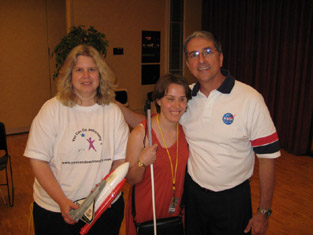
[224, 131]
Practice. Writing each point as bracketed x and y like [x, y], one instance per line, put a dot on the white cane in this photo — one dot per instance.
[151, 166]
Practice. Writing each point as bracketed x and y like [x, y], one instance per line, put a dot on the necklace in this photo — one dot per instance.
[174, 200]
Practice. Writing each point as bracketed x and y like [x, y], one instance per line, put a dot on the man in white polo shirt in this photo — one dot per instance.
[226, 124]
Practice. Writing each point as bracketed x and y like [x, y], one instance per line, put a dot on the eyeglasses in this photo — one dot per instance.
[206, 53]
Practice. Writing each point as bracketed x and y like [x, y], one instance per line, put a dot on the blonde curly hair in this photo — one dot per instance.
[107, 81]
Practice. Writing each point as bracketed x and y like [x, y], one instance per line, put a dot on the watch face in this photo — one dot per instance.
[266, 212]
[140, 164]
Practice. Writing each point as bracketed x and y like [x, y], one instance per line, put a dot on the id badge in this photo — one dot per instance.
[173, 205]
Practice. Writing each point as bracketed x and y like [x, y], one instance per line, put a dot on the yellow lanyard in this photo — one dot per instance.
[168, 153]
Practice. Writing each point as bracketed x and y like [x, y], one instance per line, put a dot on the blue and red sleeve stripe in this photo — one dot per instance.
[267, 144]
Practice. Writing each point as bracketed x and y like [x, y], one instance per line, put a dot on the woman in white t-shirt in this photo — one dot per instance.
[75, 140]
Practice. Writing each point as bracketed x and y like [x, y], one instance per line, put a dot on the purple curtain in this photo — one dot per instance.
[269, 45]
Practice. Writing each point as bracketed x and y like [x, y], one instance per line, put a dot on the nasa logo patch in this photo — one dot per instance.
[228, 118]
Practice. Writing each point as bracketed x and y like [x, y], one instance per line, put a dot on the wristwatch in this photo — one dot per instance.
[266, 212]
[140, 164]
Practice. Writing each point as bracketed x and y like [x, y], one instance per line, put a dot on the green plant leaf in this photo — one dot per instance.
[78, 35]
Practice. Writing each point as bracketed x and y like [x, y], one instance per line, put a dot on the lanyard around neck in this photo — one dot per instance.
[168, 153]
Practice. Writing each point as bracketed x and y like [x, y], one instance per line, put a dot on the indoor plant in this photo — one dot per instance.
[78, 35]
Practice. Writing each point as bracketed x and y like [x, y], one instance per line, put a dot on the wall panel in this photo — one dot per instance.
[24, 61]
[122, 21]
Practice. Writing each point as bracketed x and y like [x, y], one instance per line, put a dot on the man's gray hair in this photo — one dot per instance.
[205, 35]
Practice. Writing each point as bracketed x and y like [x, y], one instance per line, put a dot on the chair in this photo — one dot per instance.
[5, 164]
[121, 96]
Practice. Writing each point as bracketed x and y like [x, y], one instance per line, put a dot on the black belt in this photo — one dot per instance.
[210, 191]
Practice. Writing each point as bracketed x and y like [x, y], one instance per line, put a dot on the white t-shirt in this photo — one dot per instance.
[79, 143]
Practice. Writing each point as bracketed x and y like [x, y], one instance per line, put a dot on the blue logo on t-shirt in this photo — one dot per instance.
[228, 118]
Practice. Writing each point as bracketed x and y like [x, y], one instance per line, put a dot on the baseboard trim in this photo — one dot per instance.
[19, 130]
